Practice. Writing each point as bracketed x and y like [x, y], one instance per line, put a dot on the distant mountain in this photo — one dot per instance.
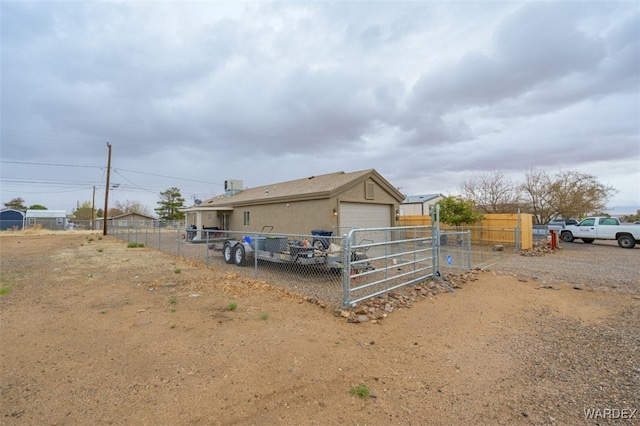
[623, 210]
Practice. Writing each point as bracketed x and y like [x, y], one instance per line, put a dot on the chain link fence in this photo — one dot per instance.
[337, 269]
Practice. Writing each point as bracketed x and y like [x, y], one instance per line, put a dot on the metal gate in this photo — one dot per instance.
[383, 259]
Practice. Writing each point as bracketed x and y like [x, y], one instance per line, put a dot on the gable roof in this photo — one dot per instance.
[47, 213]
[417, 199]
[6, 210]
[312, 187]
[130, 214]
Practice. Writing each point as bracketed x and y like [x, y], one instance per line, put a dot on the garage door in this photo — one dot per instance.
[360, 215]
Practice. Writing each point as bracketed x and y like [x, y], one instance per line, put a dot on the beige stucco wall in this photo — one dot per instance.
[296, 217]
[356, 194]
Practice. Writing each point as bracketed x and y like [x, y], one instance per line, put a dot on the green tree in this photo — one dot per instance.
[84, 212]
[170, 202]
[37, 207]
[455, 210]
[16, 204]
[631, 217]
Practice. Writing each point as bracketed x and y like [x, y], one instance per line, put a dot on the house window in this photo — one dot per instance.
[368, 190]
[31, 221]
[59, 221]
[246, 218]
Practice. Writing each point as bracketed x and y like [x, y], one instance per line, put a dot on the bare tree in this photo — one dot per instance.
[129, 206]
[567, 194]
[493, 193]
[576, 194]
[536, 189]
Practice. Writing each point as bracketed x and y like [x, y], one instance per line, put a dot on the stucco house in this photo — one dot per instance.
[335, 201]
[11, 219]
[418, 205]
[56, 220]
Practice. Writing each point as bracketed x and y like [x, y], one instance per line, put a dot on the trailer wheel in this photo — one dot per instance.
[240, 255]
[587, 240]
[626, 241]
[566, 236]
[227, 252]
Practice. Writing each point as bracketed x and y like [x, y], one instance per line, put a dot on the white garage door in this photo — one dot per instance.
[360, 215]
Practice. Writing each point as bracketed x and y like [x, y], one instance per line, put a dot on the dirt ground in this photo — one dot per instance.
[94, 332]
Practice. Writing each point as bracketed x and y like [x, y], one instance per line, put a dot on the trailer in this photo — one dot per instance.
[279, 249]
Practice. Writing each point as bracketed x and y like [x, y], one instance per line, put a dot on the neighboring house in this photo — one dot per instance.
[11, 219]
[128, 220]
[54, 220]
[418, 205]
[336, 201]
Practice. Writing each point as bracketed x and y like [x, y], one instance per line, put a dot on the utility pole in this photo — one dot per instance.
[93, 209]
[106, 194]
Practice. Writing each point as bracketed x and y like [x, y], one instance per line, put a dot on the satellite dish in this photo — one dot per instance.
[197, 202]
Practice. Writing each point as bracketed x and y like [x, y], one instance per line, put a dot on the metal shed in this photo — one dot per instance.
[11, 219]
[49, 219]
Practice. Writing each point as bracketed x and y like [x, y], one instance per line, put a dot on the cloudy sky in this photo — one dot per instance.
[428, 93]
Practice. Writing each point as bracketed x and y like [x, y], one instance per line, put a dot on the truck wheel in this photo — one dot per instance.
[587, 240]
[227, 252]
[626, 241]
[240, 255]
[566, 236]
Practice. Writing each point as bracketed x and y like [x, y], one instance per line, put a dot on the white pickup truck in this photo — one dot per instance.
[602, 228]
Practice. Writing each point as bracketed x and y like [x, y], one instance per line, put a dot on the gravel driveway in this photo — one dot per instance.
[601, 265]
[573, 367]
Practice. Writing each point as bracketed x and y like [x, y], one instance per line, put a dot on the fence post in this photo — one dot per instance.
[179, 240]
[207, 248]
[255, 256]
[435, 230]
[346, 270]
[469, 247]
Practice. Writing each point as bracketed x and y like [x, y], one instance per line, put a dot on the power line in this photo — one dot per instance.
[131, 182]
[50, 164]
[102, 167]
[169, 177]
[27, 181]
